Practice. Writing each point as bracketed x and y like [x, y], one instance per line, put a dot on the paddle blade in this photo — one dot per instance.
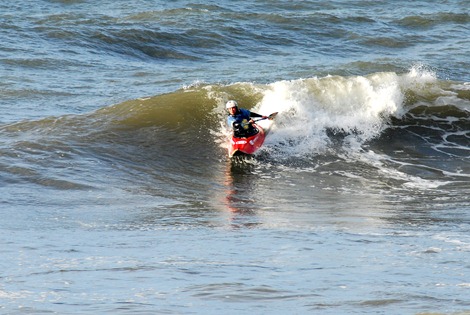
[272, 116]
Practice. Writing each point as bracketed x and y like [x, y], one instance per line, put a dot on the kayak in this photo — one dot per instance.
[248, 145]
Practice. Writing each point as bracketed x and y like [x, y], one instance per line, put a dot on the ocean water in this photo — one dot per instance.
[117, 195]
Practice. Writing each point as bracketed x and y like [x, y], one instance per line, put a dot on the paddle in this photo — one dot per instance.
[270, 117]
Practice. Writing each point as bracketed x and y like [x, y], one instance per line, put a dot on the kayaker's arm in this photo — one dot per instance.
[257, 115]
[252, 114]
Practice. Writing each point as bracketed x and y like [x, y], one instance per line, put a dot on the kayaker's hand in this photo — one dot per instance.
[252, 121]
[264, 117]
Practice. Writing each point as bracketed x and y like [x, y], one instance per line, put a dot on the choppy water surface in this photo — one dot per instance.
[118, 196]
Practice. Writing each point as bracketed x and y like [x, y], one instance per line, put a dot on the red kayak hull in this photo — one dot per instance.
[248, 145]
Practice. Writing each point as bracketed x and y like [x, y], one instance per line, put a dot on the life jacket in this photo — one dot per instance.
[240, 124]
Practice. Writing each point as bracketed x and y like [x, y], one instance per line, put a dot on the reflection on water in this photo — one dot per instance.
[239, 199]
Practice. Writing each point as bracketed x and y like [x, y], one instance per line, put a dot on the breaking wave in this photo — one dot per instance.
[412, 121]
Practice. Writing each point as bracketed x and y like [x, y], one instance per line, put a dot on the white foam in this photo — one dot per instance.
[308, 108]
[462, 87]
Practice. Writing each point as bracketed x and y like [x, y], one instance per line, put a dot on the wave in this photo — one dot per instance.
[126, 36]
[310, 109]
[362, 107]
[432, 20]
[411, 121]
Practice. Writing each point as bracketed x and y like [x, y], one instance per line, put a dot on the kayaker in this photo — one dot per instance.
[240, 120]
